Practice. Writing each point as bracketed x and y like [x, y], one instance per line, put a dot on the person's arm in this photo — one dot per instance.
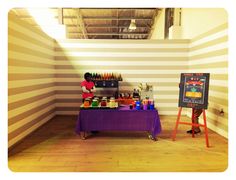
[85, 90]
[93, 89]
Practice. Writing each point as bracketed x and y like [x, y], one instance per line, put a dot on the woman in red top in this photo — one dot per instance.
[88, 87]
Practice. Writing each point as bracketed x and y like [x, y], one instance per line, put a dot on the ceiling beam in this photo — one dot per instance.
[108, 34]
[98, 18]
[80, 23]
[107, 26]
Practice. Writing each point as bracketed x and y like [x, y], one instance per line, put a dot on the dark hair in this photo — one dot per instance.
[86, 75]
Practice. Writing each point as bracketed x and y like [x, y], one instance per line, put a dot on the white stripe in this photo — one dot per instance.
[209, 38]
[123, 63]
[166, 104]
[123, 54]
[157, 97]
[222, 83]
[208, 49]
[151, 79]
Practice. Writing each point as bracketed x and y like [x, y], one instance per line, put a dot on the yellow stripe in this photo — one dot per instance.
[16, 139]
[206, 65]
[26, 37]
[24, 89]
[26, 101]
[30, 51]
[23, 96]
[14, 77]
[29, 112]
[30, 118]
[21, 63]
[208, 33]
[210, 54]
[21, 109]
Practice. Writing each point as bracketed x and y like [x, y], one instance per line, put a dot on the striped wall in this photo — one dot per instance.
[208, 53]
[31, 96]
[45, 74]
[157, 62]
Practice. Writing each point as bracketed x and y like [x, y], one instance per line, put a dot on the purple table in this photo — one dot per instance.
[121, 119]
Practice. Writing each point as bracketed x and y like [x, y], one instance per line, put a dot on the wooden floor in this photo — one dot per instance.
[56, 148]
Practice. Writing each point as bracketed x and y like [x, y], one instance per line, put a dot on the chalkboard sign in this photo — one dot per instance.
[194, 90]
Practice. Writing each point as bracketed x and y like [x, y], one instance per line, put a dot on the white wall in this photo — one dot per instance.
[196, 21]
[159, 26]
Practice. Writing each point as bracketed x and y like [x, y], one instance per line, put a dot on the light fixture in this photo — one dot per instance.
[132, 25]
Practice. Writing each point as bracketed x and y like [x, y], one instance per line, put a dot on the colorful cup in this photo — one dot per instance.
[152, 107]
[145, 107]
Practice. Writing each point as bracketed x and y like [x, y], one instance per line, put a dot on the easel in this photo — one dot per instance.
[192, 124]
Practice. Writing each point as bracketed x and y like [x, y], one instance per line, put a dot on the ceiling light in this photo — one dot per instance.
[132, 25]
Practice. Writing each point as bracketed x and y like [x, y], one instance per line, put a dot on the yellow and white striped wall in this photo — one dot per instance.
[45, 74]
[209, 54]
[31, 96]
[157, 62]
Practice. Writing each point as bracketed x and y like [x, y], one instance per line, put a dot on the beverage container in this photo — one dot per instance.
[145, 107]
[152, 107]
[104, 103]
[94, 103]
[131, 106]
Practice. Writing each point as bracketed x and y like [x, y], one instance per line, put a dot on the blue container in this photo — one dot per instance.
[137, 106]
[152, 107]
[138, 102]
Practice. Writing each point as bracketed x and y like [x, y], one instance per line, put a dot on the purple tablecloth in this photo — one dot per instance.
[121, 119]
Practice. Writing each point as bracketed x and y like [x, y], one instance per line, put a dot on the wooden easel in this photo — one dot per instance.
[192, 124]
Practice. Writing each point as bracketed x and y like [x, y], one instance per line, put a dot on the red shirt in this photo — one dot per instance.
[88, 86]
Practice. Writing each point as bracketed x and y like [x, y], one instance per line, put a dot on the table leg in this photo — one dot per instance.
[82, 135]
[151, 137]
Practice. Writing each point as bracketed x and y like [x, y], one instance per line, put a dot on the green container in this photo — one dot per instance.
[94, 103]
